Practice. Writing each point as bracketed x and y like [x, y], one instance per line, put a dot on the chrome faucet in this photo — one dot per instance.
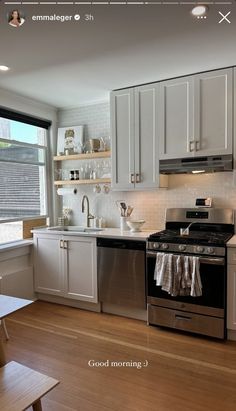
[89, 215]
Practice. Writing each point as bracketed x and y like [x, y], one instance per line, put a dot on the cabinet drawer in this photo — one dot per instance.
[186, 321]
[231, 255]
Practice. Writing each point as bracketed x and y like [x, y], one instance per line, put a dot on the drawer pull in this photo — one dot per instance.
[191, 146]
[182, 317]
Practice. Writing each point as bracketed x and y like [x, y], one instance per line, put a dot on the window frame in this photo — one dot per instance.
[46, 125]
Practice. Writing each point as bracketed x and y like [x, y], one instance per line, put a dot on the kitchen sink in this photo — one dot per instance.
[76, 229]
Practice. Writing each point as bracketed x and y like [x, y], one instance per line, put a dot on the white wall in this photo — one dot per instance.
[95, 118]
[150, 205]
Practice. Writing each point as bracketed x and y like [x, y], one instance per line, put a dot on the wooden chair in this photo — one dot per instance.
[21, 387]
[2, 322]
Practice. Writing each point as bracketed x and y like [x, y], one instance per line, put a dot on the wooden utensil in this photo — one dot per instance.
[129, 211]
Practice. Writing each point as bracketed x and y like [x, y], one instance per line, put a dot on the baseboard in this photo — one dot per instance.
[96, 307]
[231, 335]
[136, 313]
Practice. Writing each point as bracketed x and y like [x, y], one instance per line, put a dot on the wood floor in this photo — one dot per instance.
[178, 373]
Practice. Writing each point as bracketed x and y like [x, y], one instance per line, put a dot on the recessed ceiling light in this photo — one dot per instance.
[4, 68]
[199, 10]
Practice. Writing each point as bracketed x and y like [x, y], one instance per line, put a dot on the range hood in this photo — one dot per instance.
[194, 165]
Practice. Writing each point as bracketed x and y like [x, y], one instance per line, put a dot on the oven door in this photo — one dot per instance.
[213, 277]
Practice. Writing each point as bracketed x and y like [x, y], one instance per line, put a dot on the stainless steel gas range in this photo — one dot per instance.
[203, 238]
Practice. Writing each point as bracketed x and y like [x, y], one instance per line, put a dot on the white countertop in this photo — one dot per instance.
[106, 232]
[232, 242]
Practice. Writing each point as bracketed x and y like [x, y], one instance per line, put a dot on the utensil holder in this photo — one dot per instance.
[123, 223]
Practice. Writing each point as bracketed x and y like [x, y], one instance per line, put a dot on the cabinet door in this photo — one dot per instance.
[213, 113]
[175, 120]
[231, 297]
[122, 139]
[80, 267]
[48, 271]
[146, 138]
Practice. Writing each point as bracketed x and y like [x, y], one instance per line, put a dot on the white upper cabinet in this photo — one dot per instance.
[146, 138]
[195, 117]
[213, 99]
[175, 118]
[135, 161]
[122, 130]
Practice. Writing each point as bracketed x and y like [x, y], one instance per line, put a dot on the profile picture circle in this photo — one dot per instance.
[16, 18]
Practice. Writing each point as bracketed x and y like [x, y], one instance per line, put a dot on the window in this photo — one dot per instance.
[23, 171]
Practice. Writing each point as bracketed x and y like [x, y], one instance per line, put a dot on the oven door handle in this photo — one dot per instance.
[203, 260]
[151, 254]
[212, 261]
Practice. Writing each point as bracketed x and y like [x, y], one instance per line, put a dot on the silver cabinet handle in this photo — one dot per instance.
[65, 244]
[132, 178]
[191, 145]
[61, 244]
[197, 145]
[137, 178]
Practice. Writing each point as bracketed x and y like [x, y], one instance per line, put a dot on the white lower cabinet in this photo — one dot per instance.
[231, 289]
[66, 266]
[231, 297]
[80, 268]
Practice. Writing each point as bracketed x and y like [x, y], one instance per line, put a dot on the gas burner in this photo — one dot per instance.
[194, 237]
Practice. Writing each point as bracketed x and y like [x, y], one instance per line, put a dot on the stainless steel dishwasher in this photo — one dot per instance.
[121, 272]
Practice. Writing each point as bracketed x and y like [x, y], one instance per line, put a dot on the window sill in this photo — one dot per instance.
[15, 244]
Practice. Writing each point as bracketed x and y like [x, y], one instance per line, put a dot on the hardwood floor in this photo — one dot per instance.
[183, 372]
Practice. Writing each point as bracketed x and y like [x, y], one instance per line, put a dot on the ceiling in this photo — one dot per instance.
[74, 63]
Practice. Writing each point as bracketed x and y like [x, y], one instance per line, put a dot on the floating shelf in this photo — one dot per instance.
[99, 154]
[77, 182]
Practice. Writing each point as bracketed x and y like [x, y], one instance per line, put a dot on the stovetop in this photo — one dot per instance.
[194, 237]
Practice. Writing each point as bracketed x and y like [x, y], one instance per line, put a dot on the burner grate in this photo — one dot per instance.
[194, 237]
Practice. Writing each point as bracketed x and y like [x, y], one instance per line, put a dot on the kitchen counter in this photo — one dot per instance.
[106, 232]
[232, 242]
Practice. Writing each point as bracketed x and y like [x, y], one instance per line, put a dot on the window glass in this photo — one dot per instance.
[17, 153]
[15, 130]
[22, 176]
[22, 190]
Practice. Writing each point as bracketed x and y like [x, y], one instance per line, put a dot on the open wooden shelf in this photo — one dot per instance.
[80, 182]
[99, 154]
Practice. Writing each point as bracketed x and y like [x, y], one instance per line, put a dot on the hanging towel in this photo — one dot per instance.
[196, 284]
[168, 272]
[160, 267]
[178, 274]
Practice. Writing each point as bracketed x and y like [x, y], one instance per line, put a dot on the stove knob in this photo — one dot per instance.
[210, 250]
[182, 247]
[165, 246]
[200, 249]
[156, 245]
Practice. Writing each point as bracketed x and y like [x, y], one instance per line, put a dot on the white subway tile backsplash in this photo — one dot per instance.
[148, 205]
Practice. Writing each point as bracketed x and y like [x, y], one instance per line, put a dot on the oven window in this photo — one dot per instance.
[213, 286]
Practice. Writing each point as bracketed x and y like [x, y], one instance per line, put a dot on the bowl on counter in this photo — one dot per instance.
[135, 225]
